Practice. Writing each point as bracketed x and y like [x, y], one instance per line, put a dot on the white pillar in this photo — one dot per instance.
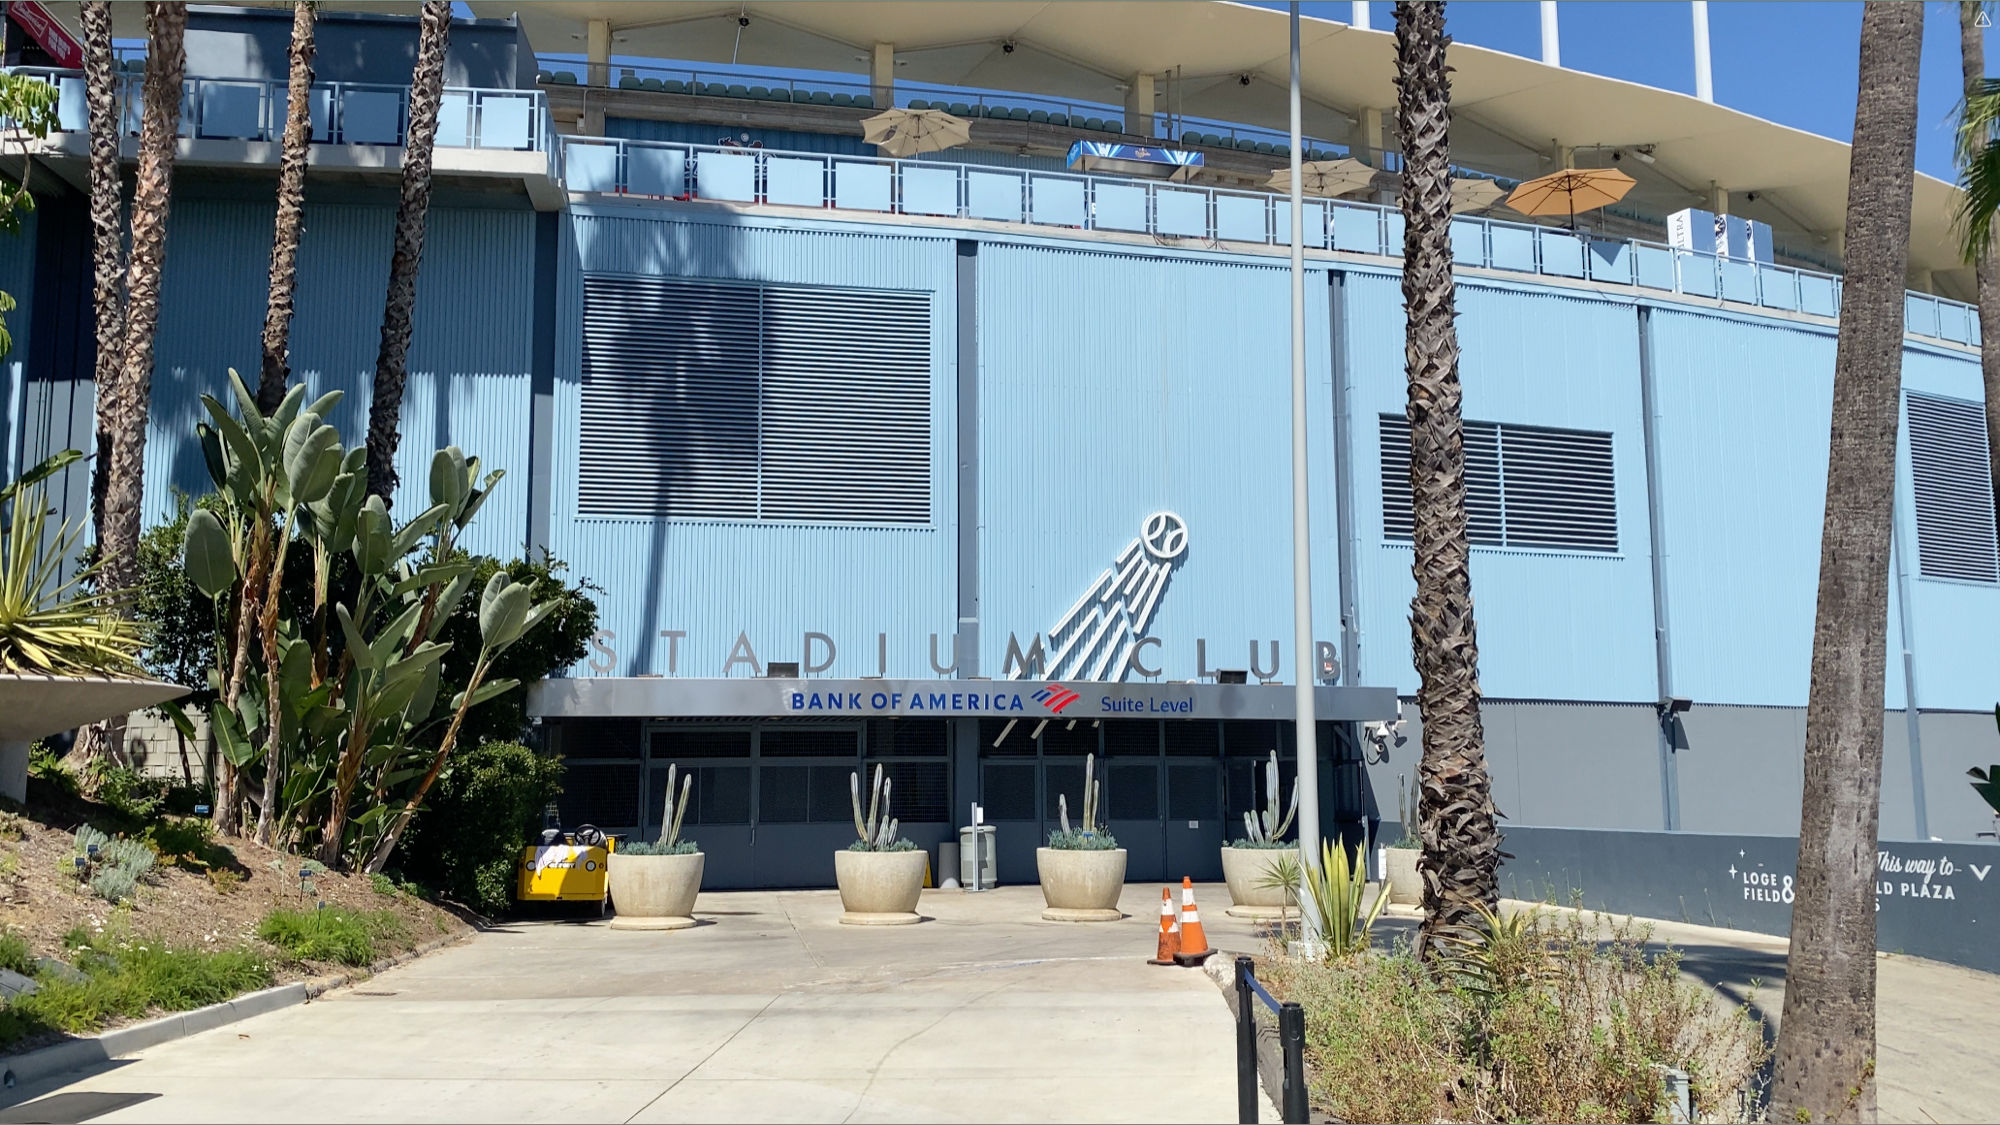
[1303, 650]
[1139, 105]
[1360, 17]
[882, 75]
[1551, 48]
[597, 51]
[1704, 81]
[1718, 198]
[1369, 144]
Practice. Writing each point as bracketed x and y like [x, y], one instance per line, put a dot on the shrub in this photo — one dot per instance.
[482, 811]
[678, 847]
[1545, 1019]
[127, 791]
[47, 766]
[111, 867]
[1081, 841]
[224, 880]
[121, 976]
[186, 843]
[15, 954]
[330, 934]
[383, 884]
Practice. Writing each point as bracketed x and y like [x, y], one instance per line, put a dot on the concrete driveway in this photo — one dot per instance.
[769, 1011]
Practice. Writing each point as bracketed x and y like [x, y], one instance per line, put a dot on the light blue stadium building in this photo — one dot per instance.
[870, 455]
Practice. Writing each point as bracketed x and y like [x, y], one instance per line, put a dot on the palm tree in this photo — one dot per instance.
[291, 213]
[107, 223]
[391, 362]
[1455, 814]
[1825, 1062]
[1979, 164]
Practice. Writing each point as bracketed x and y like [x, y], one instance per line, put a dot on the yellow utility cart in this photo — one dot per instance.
[571, 871]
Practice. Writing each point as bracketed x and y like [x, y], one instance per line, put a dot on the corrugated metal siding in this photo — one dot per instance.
[773, 581]
[1116, 385]
[469, 358]
[1552, 625]
[17, 280]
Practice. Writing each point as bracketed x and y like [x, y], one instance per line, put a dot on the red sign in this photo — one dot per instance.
[53, 36]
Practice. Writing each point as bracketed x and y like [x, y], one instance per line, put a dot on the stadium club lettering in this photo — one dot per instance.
[1033, 660]
[1052, 698]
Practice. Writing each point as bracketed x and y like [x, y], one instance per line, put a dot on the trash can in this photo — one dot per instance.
[947, 865]
[978, 864]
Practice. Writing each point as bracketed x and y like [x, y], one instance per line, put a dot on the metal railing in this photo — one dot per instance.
[353, 113]
[1293, 1103]
[1199, 216]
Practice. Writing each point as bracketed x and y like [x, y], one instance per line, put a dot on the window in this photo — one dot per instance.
[714, 400]
[1525, 486]
[1950, 474]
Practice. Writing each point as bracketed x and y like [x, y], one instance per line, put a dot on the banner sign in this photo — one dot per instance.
[52, 35]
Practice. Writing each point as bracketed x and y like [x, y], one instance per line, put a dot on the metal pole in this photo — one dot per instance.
[1302, 630]
[1912, 716]
[1359, 21]
[1551, 47]
[1246, 1046]
[1292, 1035]
[1704, 81]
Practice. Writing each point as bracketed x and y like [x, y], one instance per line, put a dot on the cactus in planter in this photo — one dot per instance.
[1406, 808]
[1265, 826]
[1091, 835]
[672, 809]
[876, 832]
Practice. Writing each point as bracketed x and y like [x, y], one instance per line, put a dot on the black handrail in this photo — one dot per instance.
[1291, 1040]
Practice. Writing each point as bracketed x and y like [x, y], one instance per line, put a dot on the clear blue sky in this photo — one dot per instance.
[1789, 61]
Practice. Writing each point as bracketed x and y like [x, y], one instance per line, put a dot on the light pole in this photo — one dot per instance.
[1302, 630]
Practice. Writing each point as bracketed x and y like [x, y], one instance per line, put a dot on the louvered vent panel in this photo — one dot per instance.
[1525, 486]
[713, 400]
[1951, 476]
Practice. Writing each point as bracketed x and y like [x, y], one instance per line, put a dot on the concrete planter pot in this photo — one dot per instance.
[653, 892]
[1399, 870]
[879, 888]
[33, 707]
[1081, 886]
[1243, 869]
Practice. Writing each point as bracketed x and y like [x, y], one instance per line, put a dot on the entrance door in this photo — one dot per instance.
[1134, 780]
[1194, 829]
[718, 809]
[805, 810]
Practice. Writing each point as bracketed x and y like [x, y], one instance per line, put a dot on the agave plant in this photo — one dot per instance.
[1335, 888]
[50, 624]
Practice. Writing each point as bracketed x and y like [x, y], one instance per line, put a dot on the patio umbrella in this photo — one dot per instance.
[1326, 178]
[906, 132]
[1570, 191]
[1474, 194]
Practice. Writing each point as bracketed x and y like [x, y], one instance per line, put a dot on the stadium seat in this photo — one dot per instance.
[843, 99]
[919, 103]
[1283, 152]
[1039, 116]
[1246, 144]
[654, 85]
[675, 86]
[960, 109]
[1113, 125]
[1214, 140]
[821, 97]
[761, 93]
[1018, 113]
[630, 82]
[1060, 120]
[712, 90]
[541, 76]
[1265, 148]
[563, 78]
[864, 101]
[1093, 123]
[737, 90]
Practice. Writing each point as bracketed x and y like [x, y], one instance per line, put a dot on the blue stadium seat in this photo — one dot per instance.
[761, 93]
[864, 101]
[654, 85]
[1039, 116]
[675, 86]
[919, 103]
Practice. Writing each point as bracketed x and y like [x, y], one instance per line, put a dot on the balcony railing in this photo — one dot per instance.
[343, 113]
[1196, 215]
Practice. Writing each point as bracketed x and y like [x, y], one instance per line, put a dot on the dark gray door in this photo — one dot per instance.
[1194, 829]
[1135, 793]
[805, 807]
[719, 803]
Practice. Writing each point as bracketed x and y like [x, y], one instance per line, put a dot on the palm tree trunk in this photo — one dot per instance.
[107, 221]
[1455, 814]
[1825, 1062]
[1985, 267]
[166, 60]
[291, 214]
[391, 362]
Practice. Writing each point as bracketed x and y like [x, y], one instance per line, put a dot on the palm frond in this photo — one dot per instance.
[1978, 156]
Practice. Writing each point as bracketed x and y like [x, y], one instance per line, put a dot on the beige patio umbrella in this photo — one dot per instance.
[907, 132]
[1474, 194]
[1570, 191]
[1328, 178]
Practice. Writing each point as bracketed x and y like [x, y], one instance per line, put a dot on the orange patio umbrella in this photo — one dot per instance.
[1570, 191]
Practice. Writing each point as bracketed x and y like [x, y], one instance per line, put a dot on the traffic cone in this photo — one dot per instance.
[1170, 930]
[1194, 943]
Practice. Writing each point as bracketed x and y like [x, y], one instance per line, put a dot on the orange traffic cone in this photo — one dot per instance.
[1194, 943]
[1170, 930]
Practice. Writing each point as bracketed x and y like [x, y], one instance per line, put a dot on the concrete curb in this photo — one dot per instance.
[75, 1054]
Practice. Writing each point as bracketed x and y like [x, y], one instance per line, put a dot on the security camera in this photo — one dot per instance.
[742, 21]
[1007, 47]
[1379, 736]
[1242, 80]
